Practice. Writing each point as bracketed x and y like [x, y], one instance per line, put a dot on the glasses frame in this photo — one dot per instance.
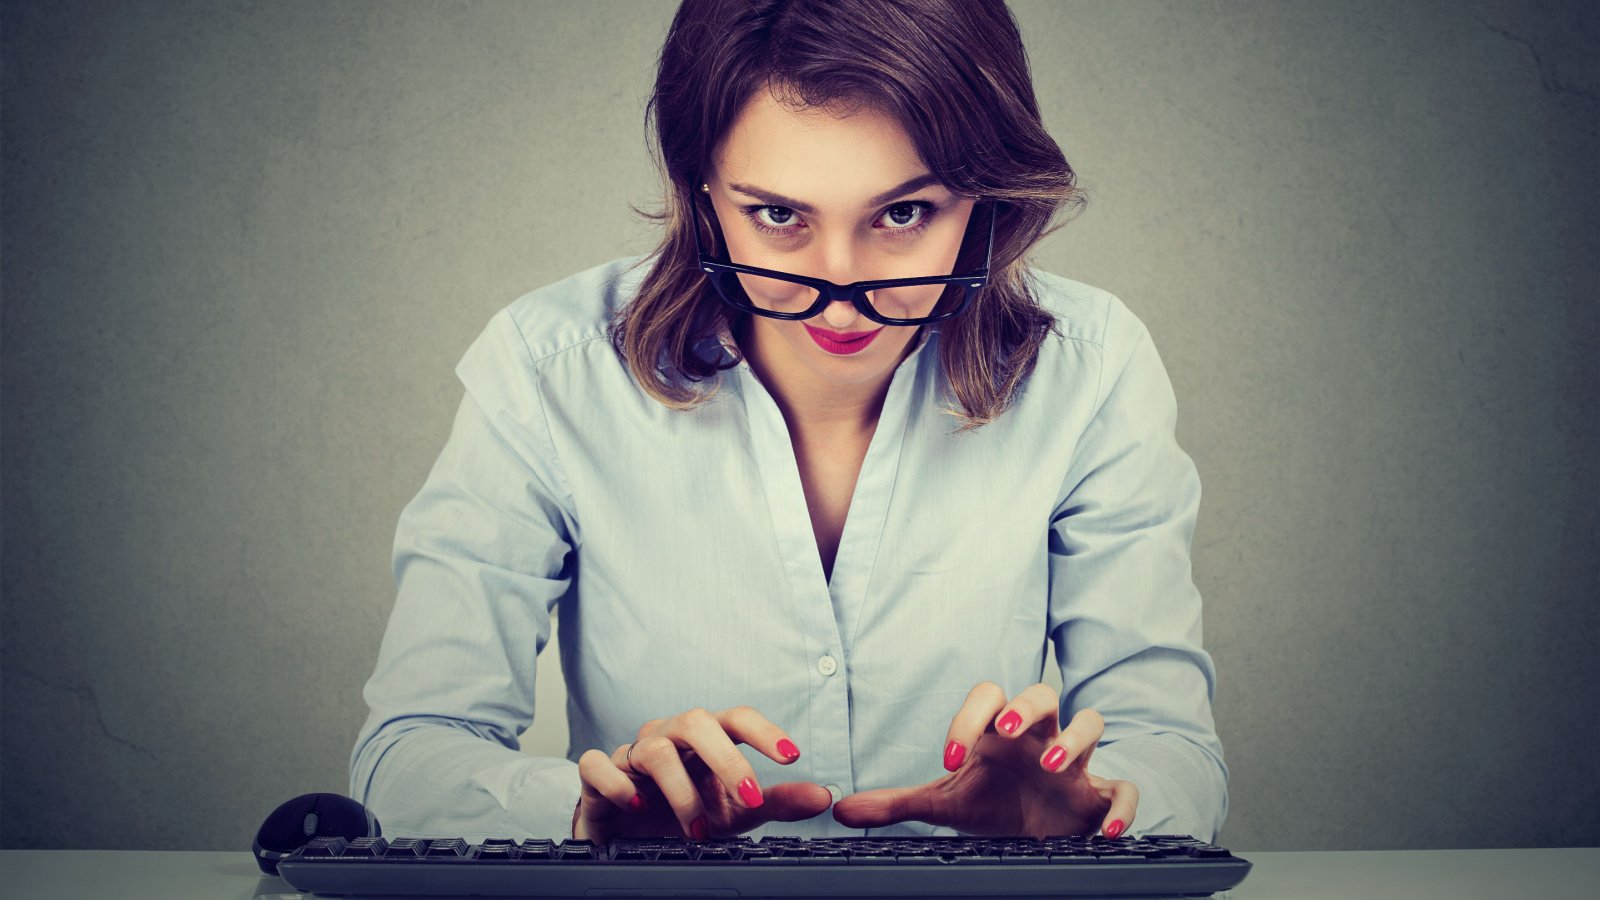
[855, 292]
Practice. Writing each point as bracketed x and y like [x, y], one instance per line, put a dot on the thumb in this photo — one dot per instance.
[886, 806]
[794, 800]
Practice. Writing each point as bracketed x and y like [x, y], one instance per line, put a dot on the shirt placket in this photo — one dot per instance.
[827, 612]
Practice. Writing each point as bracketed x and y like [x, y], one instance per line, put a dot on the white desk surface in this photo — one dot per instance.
[1356, 875]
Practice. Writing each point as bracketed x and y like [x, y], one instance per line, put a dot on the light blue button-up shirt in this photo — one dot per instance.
[677, 552]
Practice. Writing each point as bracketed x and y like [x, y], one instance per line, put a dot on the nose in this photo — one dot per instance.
[840, 263]
[840, 315]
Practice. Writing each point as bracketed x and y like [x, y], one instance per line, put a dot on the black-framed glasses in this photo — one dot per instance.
[789, 296]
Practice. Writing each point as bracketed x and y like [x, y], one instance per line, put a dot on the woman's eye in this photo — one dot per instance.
[905, 216]
[774, 216]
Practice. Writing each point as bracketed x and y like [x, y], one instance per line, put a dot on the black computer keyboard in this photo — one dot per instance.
[855, 866]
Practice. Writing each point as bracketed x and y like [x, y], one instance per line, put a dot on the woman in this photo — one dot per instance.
[836, 525]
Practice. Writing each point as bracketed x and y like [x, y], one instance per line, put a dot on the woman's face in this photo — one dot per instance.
[844, 199]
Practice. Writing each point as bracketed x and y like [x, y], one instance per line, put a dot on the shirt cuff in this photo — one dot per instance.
[538, 794]
[1182, 790]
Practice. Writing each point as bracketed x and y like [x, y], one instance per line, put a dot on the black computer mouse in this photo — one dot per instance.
[293, 825]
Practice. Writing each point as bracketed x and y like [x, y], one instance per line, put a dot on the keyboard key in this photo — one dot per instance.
[578, 850]
[917, 859]
[1117, 854]
[871, 857]
[324, 847]
[771, 860]
[826, 856]
[367, 846]
[402, 848]
[1023, 857]
[542, 848]
[1071, 857]
[447, 847]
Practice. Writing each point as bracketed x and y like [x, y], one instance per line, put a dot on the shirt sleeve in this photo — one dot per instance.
[1124, 610]
[481, 556]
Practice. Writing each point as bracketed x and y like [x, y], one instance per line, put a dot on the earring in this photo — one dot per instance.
[706, 188]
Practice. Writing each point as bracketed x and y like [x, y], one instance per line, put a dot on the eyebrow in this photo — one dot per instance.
[772, 199]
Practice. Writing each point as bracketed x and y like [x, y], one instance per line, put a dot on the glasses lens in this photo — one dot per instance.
[766, 294]
[914, 302]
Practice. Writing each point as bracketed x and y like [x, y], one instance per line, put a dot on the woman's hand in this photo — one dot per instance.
[684, 776]
[1014, 771]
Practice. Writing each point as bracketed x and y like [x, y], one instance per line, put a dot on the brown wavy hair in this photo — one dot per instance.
[953, 73]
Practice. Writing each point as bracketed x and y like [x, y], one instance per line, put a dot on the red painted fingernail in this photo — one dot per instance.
[1010, 721]
[637, 802]
[954, 753]
[1052, 760]
[699, 830]
[1114, 829]
[788, 750]
[749, 793]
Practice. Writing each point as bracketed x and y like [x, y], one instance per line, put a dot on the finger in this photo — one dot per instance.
[788, 802]
[886, 806]
[747, 725]
[647, 729]
[656, 757]
[1124, 803]
[712, 737]
[983, 701]
[602, 778]
[795, 801]
[707, 735]
[1073, 746]
[1033, 705]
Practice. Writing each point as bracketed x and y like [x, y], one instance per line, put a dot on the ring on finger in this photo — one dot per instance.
[627, 760]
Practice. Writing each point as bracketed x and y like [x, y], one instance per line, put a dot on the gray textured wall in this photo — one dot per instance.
[245, 244]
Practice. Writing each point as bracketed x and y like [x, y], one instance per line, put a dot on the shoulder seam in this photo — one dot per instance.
[1076, 328]
[1125, 359]
[536, 360]
[569, 502]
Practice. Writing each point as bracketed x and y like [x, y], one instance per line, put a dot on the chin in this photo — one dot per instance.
[857, 374]
[871, 363]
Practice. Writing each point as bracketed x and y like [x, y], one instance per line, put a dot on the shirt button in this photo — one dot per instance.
[827, 665]
[834, 792]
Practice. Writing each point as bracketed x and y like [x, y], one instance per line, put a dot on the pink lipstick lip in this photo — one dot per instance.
[845, 338]
[842, 344]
